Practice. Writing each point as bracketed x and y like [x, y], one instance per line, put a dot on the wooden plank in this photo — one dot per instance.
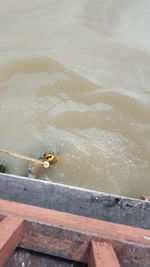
[75, 222]
[56, 240]
[11, 232]
[145, 198]
[75, 200]
[69, 236]
[102, 255]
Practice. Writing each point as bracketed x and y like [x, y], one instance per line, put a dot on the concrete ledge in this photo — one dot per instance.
[75, 200]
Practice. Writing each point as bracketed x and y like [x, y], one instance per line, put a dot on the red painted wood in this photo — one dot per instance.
[11, 232]
[102, 255]
[69, 236]
[57, 241]
[105, 230]
[145, 198]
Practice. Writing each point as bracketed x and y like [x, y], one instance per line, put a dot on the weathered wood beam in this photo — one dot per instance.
[56, 240]
[11, 233]
[102, 255]
[69, 236]
[76, 223]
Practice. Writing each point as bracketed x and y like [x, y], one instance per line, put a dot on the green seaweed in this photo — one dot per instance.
[2, 168]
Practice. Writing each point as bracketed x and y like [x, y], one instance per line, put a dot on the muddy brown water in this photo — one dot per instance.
[75, 79]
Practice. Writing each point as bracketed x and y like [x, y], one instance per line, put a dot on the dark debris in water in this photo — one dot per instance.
[2, 168]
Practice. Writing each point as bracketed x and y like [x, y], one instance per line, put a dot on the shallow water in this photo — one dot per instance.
[74, 79]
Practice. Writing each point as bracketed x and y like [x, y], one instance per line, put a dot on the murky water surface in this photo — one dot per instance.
[75, 79]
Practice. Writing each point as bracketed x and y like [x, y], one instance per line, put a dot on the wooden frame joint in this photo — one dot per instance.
[11, 233]
[102, 254]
